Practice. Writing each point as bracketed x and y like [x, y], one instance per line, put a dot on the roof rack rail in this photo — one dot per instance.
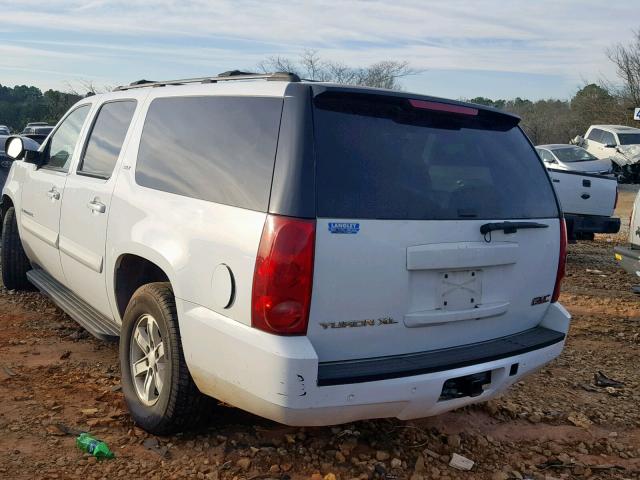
[222, 77]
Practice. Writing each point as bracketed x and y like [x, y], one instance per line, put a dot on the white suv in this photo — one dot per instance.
[311, 253]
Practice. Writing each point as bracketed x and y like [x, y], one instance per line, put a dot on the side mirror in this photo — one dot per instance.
[18, 148]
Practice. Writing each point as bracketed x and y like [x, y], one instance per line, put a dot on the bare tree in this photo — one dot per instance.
[82, 88]
[384, 74]
[627, 61]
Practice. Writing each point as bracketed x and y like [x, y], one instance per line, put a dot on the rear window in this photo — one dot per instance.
[220, 149]
[573, 154]
[380, 158]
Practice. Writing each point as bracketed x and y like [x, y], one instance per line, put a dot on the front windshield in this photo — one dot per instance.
[629, 138]
[573, 154]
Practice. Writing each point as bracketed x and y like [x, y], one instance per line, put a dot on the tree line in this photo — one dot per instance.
[559, 121]
[23, 104]
[545, 121]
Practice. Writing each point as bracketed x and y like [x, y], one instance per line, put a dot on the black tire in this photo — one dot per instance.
[179, 405]
[15, 263]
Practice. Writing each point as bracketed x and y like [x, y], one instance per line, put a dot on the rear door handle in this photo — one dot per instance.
[96, 206]
[555, 180]
[53, 194]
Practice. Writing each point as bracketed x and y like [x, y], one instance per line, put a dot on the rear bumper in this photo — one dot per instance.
[592, 224]
[278, 377]
[629, 259]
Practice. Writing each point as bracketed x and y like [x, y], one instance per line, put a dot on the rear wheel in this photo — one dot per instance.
[156, 383]
[15, 263]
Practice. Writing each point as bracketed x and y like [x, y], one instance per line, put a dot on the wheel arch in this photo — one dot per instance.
[134, 268]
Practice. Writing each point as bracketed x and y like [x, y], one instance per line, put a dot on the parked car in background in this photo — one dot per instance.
[313, 253]
[628, 256]
[39, 134]
[34, 124]
[620, 144]
[4, 130]
[572, 158]
[37, 130]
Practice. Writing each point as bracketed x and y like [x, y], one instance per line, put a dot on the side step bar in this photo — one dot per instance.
[93, 321]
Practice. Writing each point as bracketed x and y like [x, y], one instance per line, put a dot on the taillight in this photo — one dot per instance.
[562, 260]
[615, 203]
[283, 276]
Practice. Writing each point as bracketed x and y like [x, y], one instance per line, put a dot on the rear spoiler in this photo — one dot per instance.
[411, 100]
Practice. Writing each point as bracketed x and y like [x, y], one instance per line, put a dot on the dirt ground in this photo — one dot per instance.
[56, 380]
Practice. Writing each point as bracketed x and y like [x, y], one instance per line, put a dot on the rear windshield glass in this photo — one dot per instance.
[573, 154]
[629, 138]
[378, 157]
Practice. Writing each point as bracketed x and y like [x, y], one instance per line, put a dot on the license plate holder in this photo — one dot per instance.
[460, 289]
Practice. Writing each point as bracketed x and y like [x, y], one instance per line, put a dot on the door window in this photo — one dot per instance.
[106, 138]
[64, 140]
[595, 135]
[608, 138]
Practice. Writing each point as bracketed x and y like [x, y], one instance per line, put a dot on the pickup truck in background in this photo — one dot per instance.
[588, 202]
[620, 144]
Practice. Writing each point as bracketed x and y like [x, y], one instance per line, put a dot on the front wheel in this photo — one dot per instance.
[15, 263]
[156, 383]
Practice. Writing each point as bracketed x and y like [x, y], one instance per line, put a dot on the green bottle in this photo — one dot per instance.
[93, 446]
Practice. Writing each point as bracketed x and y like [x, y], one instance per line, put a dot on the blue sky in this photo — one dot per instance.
[463, 48]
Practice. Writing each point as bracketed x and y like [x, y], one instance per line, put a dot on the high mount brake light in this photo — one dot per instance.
[562, 260]
[283, 276]
[443, 107]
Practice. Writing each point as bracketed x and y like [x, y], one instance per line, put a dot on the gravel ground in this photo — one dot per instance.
[55, 379]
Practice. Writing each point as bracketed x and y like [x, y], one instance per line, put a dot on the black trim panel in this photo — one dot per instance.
[293, 189]
[384, 368]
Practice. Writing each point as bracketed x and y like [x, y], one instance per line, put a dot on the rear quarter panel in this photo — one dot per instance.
[186, 237]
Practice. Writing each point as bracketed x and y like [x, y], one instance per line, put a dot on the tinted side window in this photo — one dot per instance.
[608, 138]
[64, 140]
[106, 138]
[595, 135]
[220, 149]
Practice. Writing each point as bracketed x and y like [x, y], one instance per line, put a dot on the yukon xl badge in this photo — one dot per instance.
[344, 227]
[370, 322]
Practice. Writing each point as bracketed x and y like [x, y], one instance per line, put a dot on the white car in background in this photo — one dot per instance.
[572, 158]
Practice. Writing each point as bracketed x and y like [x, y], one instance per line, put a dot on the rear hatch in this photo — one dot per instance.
[403, 189]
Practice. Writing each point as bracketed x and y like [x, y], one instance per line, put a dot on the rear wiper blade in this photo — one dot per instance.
[509, 227]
